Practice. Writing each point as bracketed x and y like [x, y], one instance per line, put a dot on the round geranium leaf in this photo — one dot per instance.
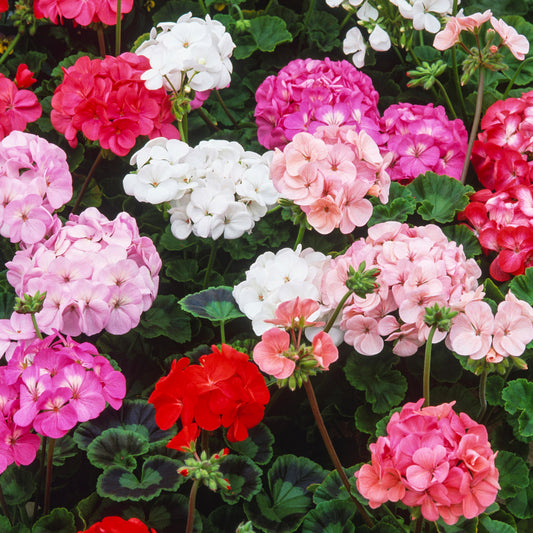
[332, 488]
[158, 473]
[258, 445]
[244, 477]
[117, 446]
[58, 521]
[216, 304]
[282, 505]
[18, 485]
[333, 516]
[134, 415]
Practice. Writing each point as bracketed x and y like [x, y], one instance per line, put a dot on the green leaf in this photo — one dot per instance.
[281, 506]
[182, 269]
[7, 302]
[401, 204]
[492, 291]
[332, 488]
[58, 521]
[18, 485]
[439, 197]
[171, 10]
[466, 401]
[330, 517]
[158, 473]
[514, 474]
[5, 525]
[246, 46]
[495, 526]
[522, 286]
[134, 415]
[323, 29]
[494, 390]
[384, 388]
[268, 32]
[116, 446]
[366, 419]
[518, 398]
[258, 445]
[463, 235]
[427, 53]
[522, 504]
[244, 477]
[165, 319]
[216, 304]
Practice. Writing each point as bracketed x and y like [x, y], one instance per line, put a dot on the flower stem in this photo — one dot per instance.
[36, 326]
[331, 449]
[446, 98]
[427, 366]
[10, 47]
[395, 518]
[225, 108]
[83, 189]
[118, 28]
[101, 39]
[192, 505]
[206, 119]
[513, 79]
[483, 392]
[222, 332]
[300, 236]
[419, 524]
[475, 123]
[48, 483]
[335, 314]
[210, 263]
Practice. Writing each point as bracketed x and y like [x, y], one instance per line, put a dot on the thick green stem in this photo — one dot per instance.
[10, 47]
[202, 7]
[222, 332]
[310, 9]
[427, 366]
[206, 119]
[335, 314]
[483, 392]
[331, 449]
[83, 189]
[36, 326]
[48, 483]
[118, 28]
[475, 123]
[192, 506]
[300, 236]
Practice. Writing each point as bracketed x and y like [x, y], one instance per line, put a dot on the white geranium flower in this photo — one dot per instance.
[379, 39]
[354, 44]
[367, 12]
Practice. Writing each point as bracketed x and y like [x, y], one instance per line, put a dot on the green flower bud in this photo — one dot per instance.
[28, 304]
[362, 282]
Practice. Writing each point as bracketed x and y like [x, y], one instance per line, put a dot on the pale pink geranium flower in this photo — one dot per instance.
[324, 215]
[471, 331]
[269, 354]
[450, 34]
[304, 149]
[26, 219]
[324, 350]
[362, 333]
[512, 330]
[296, 313]
[517, 44]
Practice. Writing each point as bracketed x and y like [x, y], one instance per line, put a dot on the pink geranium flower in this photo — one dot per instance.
[269, 354]
[517, 44]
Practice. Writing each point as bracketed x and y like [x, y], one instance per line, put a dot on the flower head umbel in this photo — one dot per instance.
[283, 355]
[114, 524]
[226, 389]
[433, 460]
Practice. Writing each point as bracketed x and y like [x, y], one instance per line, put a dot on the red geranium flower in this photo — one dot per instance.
[115, 524]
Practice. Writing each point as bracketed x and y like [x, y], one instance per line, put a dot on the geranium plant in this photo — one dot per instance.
[267, 266]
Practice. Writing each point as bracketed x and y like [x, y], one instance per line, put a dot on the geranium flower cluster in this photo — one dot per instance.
[434, 460]
[275, 278]
[18, 106]
[97, 274]
[115, 524]
[108, 102]
[215, 189]
[281, 354]
[418, 267]
[478, 333]
[225, 389]
[501, 153]
[83, 13]
[501, 214]
[34, 182]
[421, 139]
[192, 51]
[48, 386]
[308, 93]
[421, 12]
[329, 174]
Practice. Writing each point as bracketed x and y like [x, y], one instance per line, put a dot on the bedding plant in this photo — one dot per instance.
[267, 266]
